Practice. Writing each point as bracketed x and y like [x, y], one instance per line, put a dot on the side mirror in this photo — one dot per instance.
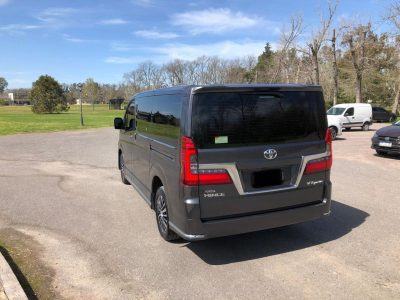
[346, 114]
[118, 123]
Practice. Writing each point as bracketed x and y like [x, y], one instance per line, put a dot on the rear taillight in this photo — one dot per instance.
[191, 175]
[324, 163]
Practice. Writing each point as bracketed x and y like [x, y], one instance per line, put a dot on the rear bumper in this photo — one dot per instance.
[199, 230]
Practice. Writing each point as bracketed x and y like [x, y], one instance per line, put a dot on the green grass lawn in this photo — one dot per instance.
[20, 119]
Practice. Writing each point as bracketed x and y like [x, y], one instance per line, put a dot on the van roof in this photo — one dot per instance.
[231, 87]
[352, 104]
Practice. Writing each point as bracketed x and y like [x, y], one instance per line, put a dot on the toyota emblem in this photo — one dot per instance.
[270, 154]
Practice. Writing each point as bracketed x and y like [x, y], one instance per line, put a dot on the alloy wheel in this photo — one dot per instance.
[162, 215]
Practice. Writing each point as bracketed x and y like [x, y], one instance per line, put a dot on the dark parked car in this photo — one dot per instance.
[222, 160]
[380, 114]
[387, 139]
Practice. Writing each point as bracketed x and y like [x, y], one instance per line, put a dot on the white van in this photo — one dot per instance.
[350, 115]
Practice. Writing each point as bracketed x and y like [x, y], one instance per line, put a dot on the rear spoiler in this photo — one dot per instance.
[251, 88]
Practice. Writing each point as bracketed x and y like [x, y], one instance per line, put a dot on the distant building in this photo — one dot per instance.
[19, 97]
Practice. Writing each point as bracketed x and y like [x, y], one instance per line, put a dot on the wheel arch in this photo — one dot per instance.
[156, 183]
[119, 158]
[335, 127]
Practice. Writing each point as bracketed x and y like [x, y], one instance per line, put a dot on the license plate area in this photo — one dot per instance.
[385, 144]
[266, 178]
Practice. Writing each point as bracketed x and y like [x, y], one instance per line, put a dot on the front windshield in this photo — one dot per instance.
[335, 111]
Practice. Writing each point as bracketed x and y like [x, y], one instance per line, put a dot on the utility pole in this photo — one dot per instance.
[80, 101]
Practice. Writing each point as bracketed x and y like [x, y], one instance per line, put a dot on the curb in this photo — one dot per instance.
[10, 287]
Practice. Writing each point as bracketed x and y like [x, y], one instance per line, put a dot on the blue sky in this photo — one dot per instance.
[75, 40]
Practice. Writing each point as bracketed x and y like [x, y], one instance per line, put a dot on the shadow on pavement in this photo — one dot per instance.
[225, 250]
[388, 156]
[359, 129]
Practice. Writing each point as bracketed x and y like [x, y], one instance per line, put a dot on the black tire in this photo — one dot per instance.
[161, 209]
[333, 132]
[380, 152]
[365, 127]
[122, 169]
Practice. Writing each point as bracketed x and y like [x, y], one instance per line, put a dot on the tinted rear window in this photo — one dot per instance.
[239, 119]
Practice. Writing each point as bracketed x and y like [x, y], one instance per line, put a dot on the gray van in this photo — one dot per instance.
[222, 160]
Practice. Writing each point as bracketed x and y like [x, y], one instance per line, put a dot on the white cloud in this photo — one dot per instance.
[121, 60]
[52, 15]
[224, 49]
[4, 2]
[121, 47]
[116, 21]
[152, 34]
[143, 3]
[214, 20]
[18, 28]
[170, 51]
[71, 39]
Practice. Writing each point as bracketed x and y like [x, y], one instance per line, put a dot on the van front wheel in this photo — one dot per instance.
[162, 218]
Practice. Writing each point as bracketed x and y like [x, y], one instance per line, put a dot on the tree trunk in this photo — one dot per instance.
[358, 68]
[297, 74]
[359, 87]
[315, 65]
[396, 100]
[335, 70]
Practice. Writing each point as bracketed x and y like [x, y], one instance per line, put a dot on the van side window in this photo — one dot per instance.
[349, 111]
[167, 110]
[159, 115]
[129, 119]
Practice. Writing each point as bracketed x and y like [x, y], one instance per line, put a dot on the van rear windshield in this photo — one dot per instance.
[229, 119]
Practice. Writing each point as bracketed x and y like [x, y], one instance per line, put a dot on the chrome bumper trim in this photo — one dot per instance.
[189, 237]
[234, 173]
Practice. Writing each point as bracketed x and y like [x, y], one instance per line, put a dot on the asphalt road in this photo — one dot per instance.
[64, 191]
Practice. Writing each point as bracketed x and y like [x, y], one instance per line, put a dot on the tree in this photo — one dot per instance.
[176, 72]
[394, 18]
[318, 39]
[265, 66]
[3, 84]
[72, 92]
[287, 41]
[360, 41]
[334, 69]
[91, 91]
[47, 96]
